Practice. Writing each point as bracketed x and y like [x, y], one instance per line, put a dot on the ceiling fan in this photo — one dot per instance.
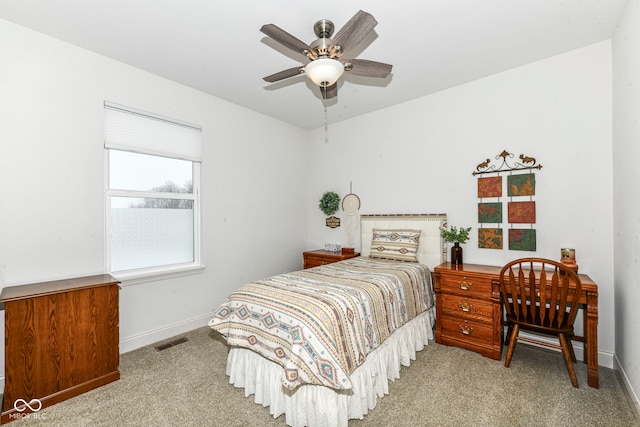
[326, 65]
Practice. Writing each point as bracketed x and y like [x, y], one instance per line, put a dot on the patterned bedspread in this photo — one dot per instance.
[321, 323]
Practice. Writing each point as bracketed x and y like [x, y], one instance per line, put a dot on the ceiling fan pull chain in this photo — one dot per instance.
[326, 127]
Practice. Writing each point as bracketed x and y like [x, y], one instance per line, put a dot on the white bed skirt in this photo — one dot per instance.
[319, 406]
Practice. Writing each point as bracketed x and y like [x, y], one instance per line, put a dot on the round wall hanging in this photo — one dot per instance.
[351, 204]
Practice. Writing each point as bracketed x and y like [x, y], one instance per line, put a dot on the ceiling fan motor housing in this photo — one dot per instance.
[323, 29]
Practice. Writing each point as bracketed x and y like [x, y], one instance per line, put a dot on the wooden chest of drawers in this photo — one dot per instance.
[61, 340]
[321, 257]
[468, 309]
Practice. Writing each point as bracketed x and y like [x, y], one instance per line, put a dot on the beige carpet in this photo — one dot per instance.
[186, 385]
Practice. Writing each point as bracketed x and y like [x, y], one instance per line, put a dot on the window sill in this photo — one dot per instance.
[132, 278]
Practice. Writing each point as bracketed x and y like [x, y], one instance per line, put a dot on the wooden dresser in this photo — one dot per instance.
[321, 257]
[61, 340]
[468, 308]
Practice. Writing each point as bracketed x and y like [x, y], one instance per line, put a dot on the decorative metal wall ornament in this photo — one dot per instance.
[519, 211]
[525, 163]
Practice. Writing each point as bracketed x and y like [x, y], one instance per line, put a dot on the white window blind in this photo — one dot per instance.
[129, 129]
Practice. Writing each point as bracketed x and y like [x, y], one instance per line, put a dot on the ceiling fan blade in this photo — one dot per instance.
[363, 67]
[354, 31]
[284, 74]
[329, 91]
[285, 39]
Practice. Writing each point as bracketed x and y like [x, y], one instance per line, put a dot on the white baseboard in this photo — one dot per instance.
[149, 337]
[605, 358]
[631, 393]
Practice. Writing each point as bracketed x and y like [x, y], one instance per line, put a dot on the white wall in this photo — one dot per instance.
[418, 157]
[52, 175]
[626, 152]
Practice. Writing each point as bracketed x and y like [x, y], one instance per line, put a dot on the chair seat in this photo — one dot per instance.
[532, 322]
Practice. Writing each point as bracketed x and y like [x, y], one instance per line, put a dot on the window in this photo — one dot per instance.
[152, 194]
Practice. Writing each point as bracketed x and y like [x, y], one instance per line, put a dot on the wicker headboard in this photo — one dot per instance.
[432, 250]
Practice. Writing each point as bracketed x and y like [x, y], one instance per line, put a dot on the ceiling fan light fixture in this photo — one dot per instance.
[324, 71]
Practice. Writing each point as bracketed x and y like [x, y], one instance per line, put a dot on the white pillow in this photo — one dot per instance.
[398, 244]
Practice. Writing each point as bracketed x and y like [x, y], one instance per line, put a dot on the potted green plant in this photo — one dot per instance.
[455, 236]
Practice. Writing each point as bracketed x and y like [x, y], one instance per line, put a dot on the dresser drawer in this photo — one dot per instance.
[466, 307]
[310, 262]
[473, 286]
[471, 331]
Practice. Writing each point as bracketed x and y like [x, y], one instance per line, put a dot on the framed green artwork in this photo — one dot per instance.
[490, 238]
[522, 239]
[521, 185]
[490, 187]
[490, 213]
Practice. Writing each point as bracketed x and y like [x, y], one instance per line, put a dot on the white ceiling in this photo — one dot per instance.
[216, 46]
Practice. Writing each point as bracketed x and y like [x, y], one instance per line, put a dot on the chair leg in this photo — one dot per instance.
[508, 336]
[573, 353]
[513, 337]
[566, 353]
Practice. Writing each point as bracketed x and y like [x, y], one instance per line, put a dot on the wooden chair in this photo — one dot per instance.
[549, 307]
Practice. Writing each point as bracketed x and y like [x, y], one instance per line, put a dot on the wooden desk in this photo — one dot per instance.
[61, 340]
[491, 345]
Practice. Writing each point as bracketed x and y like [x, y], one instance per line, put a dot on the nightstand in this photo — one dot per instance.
[322, 257]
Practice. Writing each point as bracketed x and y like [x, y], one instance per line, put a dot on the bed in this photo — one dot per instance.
[320, 345]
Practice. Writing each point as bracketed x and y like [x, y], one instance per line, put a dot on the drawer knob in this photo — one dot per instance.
[465, 286]
[467, 330]
[465, 307]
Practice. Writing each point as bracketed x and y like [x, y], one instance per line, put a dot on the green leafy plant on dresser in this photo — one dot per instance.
[453, 234]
